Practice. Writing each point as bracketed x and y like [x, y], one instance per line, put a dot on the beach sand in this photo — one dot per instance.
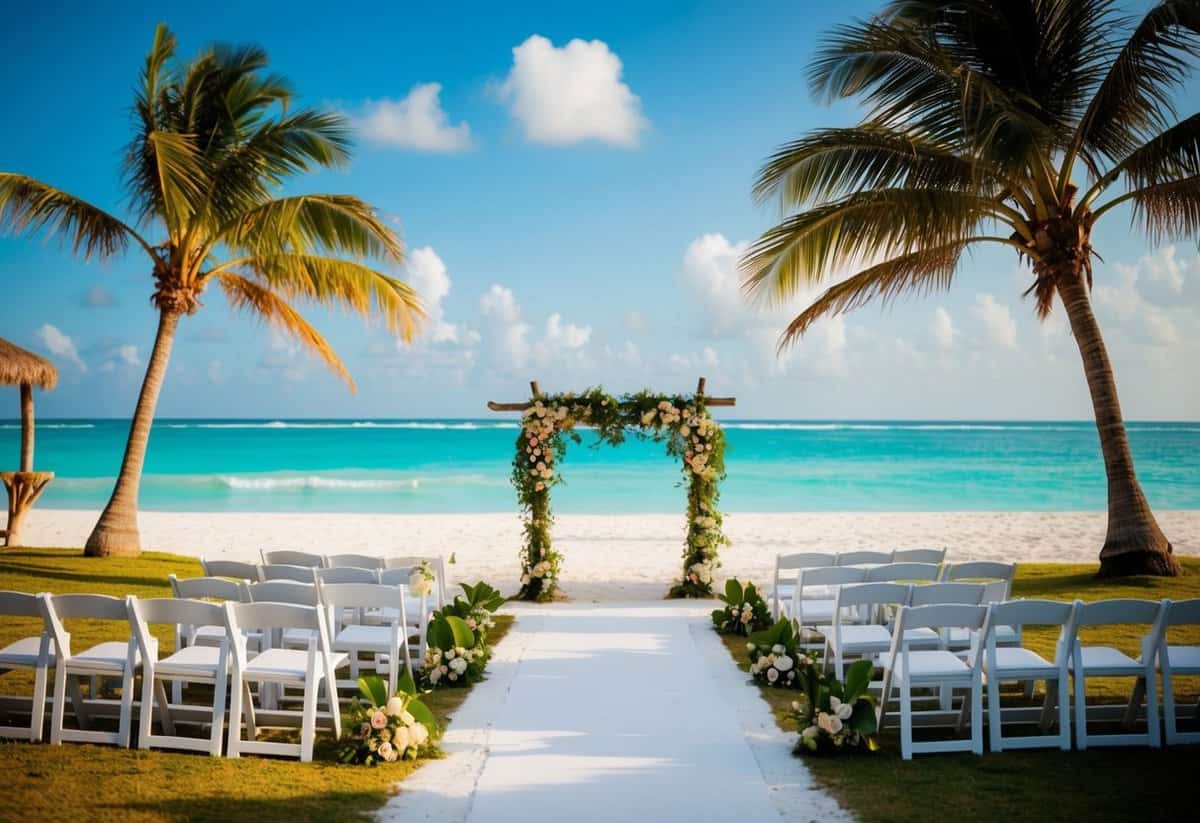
[618, 557]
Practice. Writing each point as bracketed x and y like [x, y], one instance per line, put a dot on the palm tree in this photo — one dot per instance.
[1002, 122]
[214, 139]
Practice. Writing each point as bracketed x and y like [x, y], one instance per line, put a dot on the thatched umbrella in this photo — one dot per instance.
[19, 367]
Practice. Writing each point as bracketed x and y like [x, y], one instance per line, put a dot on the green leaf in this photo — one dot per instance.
[374, 689]
[422, 714]
[733, 591]
[858, 678]
[404, 682]
[863, 720]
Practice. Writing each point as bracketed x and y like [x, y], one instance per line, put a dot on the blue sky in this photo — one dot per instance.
[575, 209]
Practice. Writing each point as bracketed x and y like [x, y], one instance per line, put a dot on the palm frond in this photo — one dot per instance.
[1135, 97]
[30, 206]
[345, 283]
[182, 176]
[312, 223]
[259, 300]
[805, 247]
[1167, 211]
[1170, 155]
[834, 162]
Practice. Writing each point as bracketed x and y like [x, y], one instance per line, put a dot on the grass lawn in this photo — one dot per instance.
[1119, 783]
[130, 785]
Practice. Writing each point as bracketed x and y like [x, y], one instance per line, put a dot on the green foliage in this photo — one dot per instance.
[458, 653]
[684, 426]
[744, 612]
[775, 656]
[835, 716]
[447, 631]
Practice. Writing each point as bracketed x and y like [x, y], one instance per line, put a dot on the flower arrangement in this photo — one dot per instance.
[421, 580]
[685, 426]
[775, 656]
[385, 729]
[457, 652]
[744, 612]
[835, 716]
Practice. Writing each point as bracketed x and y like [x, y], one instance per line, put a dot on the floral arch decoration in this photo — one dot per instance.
[684, 424]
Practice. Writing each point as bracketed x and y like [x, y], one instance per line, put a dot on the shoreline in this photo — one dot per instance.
[617, 557]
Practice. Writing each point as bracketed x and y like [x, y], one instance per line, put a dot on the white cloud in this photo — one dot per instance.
[567, 335]
[571, 94]
[943, 330]
[428, 276]
[1125, 305]
[99, 297]
[413, 122]
[510, 334]
[1165, 269]
[997, 321]
[60, 345]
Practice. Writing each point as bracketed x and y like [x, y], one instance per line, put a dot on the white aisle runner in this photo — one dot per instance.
[605, 712]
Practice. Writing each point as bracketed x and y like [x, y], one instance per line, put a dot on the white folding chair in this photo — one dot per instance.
[345, 574]
[284, 591]
[36, 653]
[1106, 661]
[417, 610]
[311, 669]
[806, 607]
[1016, 663]
[436, 562]
[386, 643]
[210, 634]
[234, 569]
[783, 585]
[912, 572]
[287, 571]
[863, 558]
[112, 659]
[1177, 659]
[908, 669]
[981, 571]
[194, 664]
[847, 636]
[291, 558]
[937, 556]
[362, 561]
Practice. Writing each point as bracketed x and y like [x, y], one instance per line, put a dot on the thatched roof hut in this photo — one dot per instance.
[21, 367]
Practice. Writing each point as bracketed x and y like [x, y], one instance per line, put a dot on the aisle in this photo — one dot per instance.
[599, 712]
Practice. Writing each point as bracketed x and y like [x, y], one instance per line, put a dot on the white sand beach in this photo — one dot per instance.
[623, 557]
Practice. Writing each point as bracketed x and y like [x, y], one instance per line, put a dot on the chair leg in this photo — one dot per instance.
[977, 716]
[125, 724]
[146, 714]
[1064, 712]
[1129, 720]
[176, 691]
[1152, 711]
[906, 741]
[218, 717]
[1081, 735]
[308, 723]
[995, 737]
[233, 749]
[248, 710]
[37, 712]
[1046, 718]
[164, 708]
[81, 711]
[1169, 707]
[58, 705]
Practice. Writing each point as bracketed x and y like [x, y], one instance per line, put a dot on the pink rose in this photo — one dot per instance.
[379, 720]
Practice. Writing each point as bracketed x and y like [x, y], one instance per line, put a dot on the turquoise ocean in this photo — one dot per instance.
[463, 466]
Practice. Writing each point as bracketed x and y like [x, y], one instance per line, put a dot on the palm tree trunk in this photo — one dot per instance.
[1134, 544]
[116, 533]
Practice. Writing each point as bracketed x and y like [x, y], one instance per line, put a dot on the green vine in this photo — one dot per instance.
[684, 425]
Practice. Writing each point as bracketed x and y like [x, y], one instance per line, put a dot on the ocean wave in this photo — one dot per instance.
[51, 425]
[313, 481]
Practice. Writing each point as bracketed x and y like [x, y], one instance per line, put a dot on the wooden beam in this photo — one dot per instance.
[536, 391]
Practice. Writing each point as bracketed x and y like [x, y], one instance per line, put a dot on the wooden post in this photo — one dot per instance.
[27, 427]
[535, 388]
[700, 388]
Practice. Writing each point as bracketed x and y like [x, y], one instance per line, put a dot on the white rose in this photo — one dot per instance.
[402, 739]
[395, 706]
[458, 665]
[829, 722]
[810, 732]
[386, 751]
[783, 663]
[407, 719]
[772, 675]
[778, 649]
[418, 734]
[840, 709]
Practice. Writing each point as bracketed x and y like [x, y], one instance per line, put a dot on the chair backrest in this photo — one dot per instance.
[362, 596]
[980, 570]
[1183, 612]
[362, 561]
[863, 558]
[871, 594]
[235, 569]
[1031, 613]
[145, 612]
[281, 591]
[904, 571]
[831, 576]
[941, 616]
[19, 604]
[996, 591]
[1117, 611]
[285, 571]
[395, 577]
[803, 560]
[292, 558]
[346, 574]
[919, 556]
[59, 607]
[411, 560]
[969, 594]
[205, 588]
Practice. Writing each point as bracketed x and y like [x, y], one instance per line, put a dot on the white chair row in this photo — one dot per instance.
[277, 641]
[911, 664]
[302, 567]
[788, 565]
